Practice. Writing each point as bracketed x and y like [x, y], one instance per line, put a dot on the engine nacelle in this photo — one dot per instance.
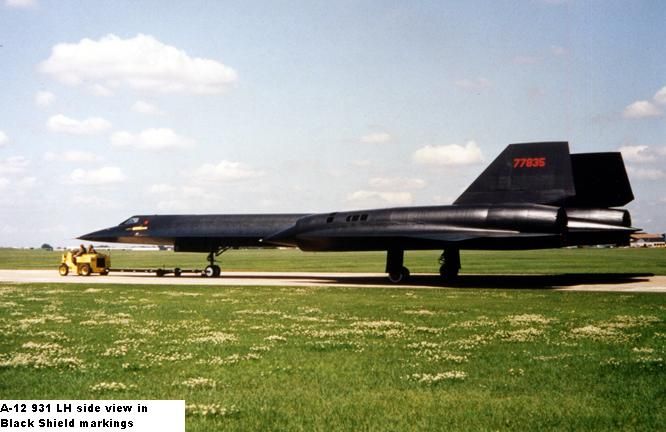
[527, 218]
[617, 217]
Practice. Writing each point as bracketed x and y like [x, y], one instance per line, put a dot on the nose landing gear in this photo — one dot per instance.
[213, 270]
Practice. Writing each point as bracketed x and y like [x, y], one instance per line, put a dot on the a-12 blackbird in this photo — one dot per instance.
[532, 196]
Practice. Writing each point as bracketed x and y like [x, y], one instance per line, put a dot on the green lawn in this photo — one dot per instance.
[588, 260]
[259, 358]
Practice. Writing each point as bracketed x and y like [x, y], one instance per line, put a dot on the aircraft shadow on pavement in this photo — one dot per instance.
[476, 281]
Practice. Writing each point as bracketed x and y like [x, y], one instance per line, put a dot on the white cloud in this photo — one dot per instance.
[645, 173]
[4, 182]
[196, 192]
[3, 139]
[187, 198]
[71, 156]
[225, 171]
[641, 109]
[160, 188]
[101, 176]
[396, 183]
[44, 99]
[639, 153]
[361, 163]
[26, 182]
[473, 84]
[13, 165]
[21, 4]
[143, 107]
[93, 201]
[142, 63]
[151, 139]
[100, 90]
[175, 205]
[90, 126]
[453, 154]
[371, 197]
[660, 96]
[8, 229]
[376, 138]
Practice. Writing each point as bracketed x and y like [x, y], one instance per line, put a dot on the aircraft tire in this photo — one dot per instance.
[177, 272]
[399, 276]
[212, 271]
[448, 274]
[63, 270]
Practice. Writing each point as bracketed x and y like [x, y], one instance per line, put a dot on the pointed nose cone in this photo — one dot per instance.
[105, 235]
[87, 237]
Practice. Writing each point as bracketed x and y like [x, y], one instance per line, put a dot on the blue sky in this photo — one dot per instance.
[117, 108]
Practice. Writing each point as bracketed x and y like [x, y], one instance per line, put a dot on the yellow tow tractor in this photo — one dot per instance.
[85, 264]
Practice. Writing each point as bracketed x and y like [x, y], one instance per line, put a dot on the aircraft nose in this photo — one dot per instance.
[105, 235]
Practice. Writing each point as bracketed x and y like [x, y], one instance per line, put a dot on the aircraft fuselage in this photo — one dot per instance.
[532, 196]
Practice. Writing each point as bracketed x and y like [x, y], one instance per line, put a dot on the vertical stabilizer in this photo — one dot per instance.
[538, 173]
[600, 180]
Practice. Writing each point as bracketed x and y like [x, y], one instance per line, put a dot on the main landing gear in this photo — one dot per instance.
[449, 262]
[397, 272]
[212, 269]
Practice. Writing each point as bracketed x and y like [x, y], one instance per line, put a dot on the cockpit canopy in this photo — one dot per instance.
[131, 221]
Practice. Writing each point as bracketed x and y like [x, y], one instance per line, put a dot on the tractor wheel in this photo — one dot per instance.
[104, 272]
[63, 270]
[85, 270]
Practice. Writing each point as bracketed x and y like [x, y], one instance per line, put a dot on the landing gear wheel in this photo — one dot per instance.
[177, 272]
[159, 273]
[85, 270]
[208, 271]
[448, 274]
[63, 270]
[212, 271]
[399, 276]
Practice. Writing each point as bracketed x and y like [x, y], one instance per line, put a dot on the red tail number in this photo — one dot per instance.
[538, 162]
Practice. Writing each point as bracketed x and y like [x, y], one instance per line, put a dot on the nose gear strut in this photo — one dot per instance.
[212, 269]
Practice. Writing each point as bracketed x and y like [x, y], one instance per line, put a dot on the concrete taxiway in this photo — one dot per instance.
[573, 282]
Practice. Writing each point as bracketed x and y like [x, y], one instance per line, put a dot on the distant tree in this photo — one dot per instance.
[47, 247]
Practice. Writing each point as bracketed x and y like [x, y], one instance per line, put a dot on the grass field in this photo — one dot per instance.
[286, 358]
[344, 359]
[587, 260]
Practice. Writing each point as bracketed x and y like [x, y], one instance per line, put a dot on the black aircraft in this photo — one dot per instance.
[533, 196]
